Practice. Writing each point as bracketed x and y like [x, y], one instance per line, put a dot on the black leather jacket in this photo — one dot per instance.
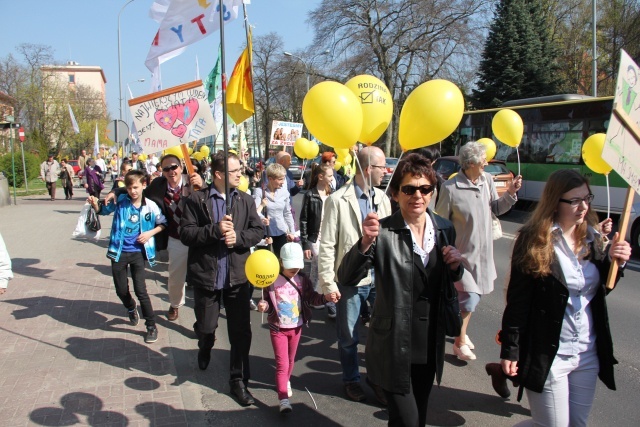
[310, 217]
[392, 341]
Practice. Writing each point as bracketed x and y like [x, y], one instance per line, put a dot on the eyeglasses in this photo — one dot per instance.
[410, 190]
[576, 202]
[170, 168]
[379, 167]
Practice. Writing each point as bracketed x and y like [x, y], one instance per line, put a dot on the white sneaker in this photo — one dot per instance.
[463, 352]
[469, 343]
[285, 406]
[289, 391]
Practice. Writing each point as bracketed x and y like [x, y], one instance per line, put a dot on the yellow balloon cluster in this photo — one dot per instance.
[592, 154]
[205, 151]
[376, 103]
[490, 147]
[198, 156]
[244, 184]
[305, 149]
[507, 126]
[176, 151]
[430, 114]
[333, 114]
[262, 268]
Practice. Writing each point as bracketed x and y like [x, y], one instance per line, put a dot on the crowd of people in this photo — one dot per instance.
[390, 260]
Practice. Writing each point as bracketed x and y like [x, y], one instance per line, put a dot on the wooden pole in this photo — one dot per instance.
[187, 162]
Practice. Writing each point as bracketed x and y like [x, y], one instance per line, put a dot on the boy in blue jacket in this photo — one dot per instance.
[136, 220]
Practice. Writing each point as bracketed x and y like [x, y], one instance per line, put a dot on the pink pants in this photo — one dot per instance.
[285, 344]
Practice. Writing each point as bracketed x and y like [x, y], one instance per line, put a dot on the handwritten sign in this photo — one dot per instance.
[170, 117]
[621, 149]
[285, 133]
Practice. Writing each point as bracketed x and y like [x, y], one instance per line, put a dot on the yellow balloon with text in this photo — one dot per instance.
[507, 126]
[262, 268]
[244, 184]
[592, 154]
[490, 147]
[205, 150]
[377, 106]
[301, 148]
[332, 113]
[431, 113]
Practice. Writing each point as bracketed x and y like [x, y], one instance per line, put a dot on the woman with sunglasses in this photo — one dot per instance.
[555, 331]
[413, 263]
[467, 200]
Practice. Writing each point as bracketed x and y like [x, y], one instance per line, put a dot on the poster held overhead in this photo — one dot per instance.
[172, 116]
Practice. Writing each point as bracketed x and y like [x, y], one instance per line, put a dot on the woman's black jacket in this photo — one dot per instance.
[310, 218]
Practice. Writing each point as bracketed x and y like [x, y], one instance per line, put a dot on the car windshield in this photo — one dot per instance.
[391, 161]
[445, 167]
[496, 169]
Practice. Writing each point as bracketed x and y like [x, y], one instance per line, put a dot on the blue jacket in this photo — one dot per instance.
[151, 217]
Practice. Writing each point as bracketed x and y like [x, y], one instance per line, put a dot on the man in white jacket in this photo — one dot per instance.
[5, 267]
[344, 212]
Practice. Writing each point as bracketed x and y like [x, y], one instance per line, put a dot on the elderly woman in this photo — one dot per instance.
[413, 264]
[555, 330]
[272, 202]
[93, 178]
[467, 200]
[66, 176]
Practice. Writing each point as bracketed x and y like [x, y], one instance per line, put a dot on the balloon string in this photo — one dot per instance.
[608, 196]
[364, 178]
[518, 154]
[304, 168]
[393, 173]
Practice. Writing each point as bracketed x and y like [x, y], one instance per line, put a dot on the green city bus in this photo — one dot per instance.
[555, 127]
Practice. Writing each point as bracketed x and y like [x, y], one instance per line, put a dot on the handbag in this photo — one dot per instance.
[93, 221]
[496, 227]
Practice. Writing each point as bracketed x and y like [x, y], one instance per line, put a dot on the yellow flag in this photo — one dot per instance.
[240, 88]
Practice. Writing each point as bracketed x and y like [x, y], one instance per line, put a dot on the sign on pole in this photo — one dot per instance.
[172, 116]
[21, 134]
[285, 133]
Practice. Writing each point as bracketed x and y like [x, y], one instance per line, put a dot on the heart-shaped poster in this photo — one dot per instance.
[166, 118]
[179, 131]
[187, 111]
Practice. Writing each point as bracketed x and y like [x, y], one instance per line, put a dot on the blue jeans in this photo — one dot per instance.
[348, 313]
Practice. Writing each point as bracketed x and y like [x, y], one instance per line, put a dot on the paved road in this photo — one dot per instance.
[69, 357]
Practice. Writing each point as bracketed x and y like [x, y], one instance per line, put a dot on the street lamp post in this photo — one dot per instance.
[120, 72]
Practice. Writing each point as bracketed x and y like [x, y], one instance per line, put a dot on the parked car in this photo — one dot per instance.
[502, 176]
[75, 165]
[633, 230]
[390, 164]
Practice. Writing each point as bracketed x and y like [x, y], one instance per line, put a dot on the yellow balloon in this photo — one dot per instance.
[198, 156]
[490, 147]
[176, 151]
[244, 184]
[430, 114]
[346, 159]
[190, 151]
[592, 154]
[453, 174]
[143, 157]
[337, 165]
[314, 149]
[341, 152]
[376, 103]
[507, 126]
[205, 150]
[262, 268]
[332, 114]
[301, 148]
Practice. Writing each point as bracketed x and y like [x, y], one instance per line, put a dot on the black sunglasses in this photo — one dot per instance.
[170, 168]
[410, 190]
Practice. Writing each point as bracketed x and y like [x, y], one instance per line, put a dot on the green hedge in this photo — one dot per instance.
[31, 161]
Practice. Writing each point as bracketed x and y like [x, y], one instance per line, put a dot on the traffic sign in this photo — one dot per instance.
[21, 134]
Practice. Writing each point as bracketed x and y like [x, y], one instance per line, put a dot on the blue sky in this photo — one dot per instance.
[85, 31]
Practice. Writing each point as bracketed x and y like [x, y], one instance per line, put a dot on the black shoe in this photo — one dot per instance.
[152, 334]
[204, 357]
[241, 393]
[354, 392]
[379, 393]
[498, 379]
[134, 318]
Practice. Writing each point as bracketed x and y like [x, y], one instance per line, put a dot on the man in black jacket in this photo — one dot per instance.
[219, 245]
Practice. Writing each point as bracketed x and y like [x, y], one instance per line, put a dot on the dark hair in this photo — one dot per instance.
[134, 175]
[218, 161]
[413, 164]
[320, 170]
[167, 156]
[431, 154]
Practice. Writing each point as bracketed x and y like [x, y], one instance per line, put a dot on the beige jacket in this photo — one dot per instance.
[341, 229]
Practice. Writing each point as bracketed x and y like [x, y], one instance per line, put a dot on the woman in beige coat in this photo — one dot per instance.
[467, 200]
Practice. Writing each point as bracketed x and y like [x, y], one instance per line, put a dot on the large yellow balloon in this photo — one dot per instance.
[592, 154]
[341, 152]
[507, 126]
[244, 184]
[262, 268]
[377, 106]
[430, 114]
[332, 114]
[490, 147]
[301, 148]
[205, 150]
[314, 149]
[176, 151]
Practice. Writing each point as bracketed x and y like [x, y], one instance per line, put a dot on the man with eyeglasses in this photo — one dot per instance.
[219, 244]
[344, 212]
[169, 192]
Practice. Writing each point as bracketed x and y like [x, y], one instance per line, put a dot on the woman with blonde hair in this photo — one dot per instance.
[555, 332]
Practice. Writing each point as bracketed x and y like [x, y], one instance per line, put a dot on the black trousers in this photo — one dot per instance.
[410, 410]
[135, 261]
[278, 243]
[68, 188]
[236, 304]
